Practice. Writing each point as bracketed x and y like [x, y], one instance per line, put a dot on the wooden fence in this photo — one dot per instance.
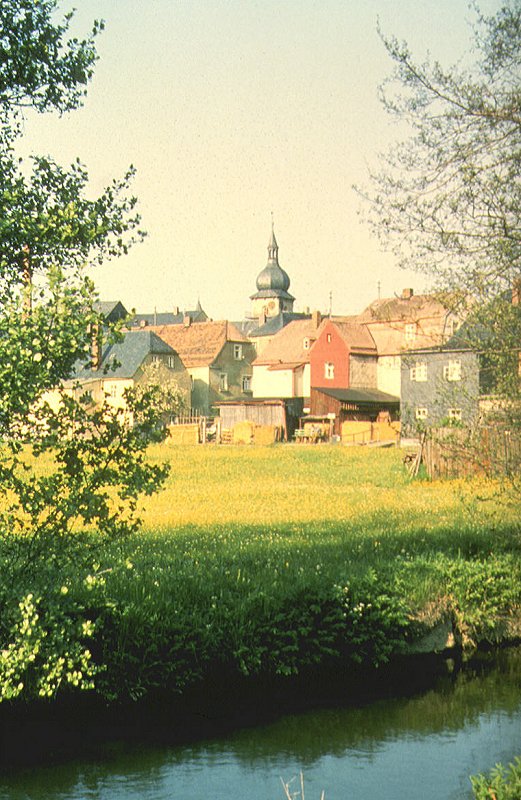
[457, 453]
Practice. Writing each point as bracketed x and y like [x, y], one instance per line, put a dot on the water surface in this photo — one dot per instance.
[417, 747]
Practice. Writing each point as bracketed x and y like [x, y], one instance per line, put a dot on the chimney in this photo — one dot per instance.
[316, 319]
[187, 321]
[516, 291]
[175, 311]
[407, 294]
[95, 347]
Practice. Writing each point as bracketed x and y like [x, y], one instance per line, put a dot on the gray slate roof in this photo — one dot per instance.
[129, 354]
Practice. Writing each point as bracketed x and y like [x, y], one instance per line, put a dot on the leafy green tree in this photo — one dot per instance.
[69, 467]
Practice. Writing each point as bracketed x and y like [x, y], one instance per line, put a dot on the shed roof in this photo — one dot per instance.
[361, 395]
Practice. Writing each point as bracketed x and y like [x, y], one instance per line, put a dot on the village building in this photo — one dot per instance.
[115, 367]
[218, 358]
[440, 387]
[173, 317]
[283, 368]
[344, 363]
[404, 323]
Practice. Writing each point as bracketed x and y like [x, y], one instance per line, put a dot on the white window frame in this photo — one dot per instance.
[410, 332]
[246, 383]
[223, 382]
[156, 359]
[171, 362]
[454, 414]
[329, 370]
[237, 352]
[421, 413]
[418, 373]
[452, 370]
[306, 343]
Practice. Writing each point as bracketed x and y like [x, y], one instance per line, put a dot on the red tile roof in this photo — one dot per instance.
[199, 344]
[287, 346]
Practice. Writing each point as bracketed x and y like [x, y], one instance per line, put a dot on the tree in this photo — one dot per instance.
[448, 200]
[95, 467]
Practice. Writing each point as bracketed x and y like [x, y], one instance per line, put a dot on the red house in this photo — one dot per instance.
[344, 355]
[344, 376]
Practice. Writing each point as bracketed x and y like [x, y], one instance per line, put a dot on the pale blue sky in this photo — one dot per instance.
[231, 109]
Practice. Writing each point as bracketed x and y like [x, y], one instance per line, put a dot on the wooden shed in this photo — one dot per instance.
[353, 404]
[283, 413]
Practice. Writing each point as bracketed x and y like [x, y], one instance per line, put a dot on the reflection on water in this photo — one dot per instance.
[422, 747]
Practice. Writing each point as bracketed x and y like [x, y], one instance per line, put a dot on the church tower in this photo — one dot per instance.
[272, 296]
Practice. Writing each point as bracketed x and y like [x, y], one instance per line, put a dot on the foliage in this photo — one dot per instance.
[450, 196]
[96, 470]
[369, 564]
[448, 199]
[503, 783]
[39, 68]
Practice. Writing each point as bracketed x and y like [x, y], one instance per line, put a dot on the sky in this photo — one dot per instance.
[236, 110]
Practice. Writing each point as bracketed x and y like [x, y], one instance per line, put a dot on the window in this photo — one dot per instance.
[113, 390]
[246, 383]
[305, 343]
[223, 382]
[156, 359]
[419, 371]
[452, 371]
[454, 414]
[329, 370]
[422, 413]
[171, 362]
[237, 352]
[329, 338]
[410, 332]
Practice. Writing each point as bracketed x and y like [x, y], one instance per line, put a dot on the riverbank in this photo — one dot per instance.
[84, 727]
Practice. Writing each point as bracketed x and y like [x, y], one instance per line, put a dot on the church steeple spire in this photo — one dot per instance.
[273, 248]
[272, 296]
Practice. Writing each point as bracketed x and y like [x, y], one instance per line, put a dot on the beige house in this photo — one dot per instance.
[400, 324]
[218, 358]
[283, 368]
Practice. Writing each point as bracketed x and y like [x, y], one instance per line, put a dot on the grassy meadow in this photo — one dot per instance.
[259, 561]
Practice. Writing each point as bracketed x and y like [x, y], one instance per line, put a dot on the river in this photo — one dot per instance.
[419, 745]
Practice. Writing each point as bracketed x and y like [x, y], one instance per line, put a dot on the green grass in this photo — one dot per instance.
[262, 561]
